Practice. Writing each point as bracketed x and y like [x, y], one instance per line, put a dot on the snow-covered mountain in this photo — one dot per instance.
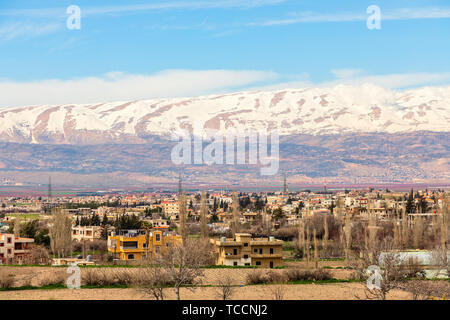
[317, 111]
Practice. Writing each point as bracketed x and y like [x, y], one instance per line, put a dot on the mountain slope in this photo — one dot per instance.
[314, 111]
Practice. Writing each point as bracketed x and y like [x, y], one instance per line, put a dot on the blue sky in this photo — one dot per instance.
[175, 48]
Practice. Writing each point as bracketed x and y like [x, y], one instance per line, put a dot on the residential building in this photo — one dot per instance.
[170, 207]
[246, 251]
[13, 248]
[86, 233]
[131, 244]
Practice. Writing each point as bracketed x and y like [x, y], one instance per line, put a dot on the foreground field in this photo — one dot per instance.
[334, 291]
[34, 275]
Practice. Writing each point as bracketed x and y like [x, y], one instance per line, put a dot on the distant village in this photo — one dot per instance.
[248, 229]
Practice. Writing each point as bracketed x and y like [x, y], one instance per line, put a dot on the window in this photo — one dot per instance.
[260, 251]
[130, 245]
[245, 244]
[9, 251]
[235, 252]
[9, 240]
[271, 264]
[271, 250]
[255, 250]
[258, 263]
[2, 244]
[131, 257]
[235, 263]
[158, 237]
[245, 256]
[247, 264]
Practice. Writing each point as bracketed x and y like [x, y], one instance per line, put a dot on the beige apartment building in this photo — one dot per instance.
[170, 207]
[13, 248]
[86, 233]
[244, 250]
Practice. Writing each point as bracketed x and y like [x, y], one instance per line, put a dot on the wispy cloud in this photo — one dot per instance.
[346, 73]
[354, 77]
[17, 29]
[137, 8]
[116, 86]
[398, 81]
[397, 14]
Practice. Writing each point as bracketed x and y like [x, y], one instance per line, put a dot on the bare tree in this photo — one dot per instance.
[397, 234]
[182, 263]
[236, 215]
[61, 233]
[316, 250]
[277, 291]
[347, 233]
[393, 270]
[225, 288]
[417, 232]
[426, 290]
[152, 281]
[17, 227]
[325, 233]
[308, 246]
[37, 255]
[405, 229]
[182, 215]
[203, 215]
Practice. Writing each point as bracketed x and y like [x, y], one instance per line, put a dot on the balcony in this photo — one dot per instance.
[130, 249]
[266, 255]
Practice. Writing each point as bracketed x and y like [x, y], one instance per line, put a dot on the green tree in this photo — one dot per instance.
[410, 202]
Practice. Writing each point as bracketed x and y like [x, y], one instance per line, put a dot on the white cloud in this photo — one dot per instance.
[136, 8]
[397, 14]
[398, 81]
[13, 30]
[346, 73]
[117, 86]
[352, 77]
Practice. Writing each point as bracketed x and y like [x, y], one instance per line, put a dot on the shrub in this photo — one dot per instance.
[58, 277]
[257, 277]
[100, 277]
[6, 280]
[289, 275]
[308, 275]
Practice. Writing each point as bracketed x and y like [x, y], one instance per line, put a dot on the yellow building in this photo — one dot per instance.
[131, 244]
[245, 251]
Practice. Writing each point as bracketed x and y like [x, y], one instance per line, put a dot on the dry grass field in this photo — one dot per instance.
[35, 276]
